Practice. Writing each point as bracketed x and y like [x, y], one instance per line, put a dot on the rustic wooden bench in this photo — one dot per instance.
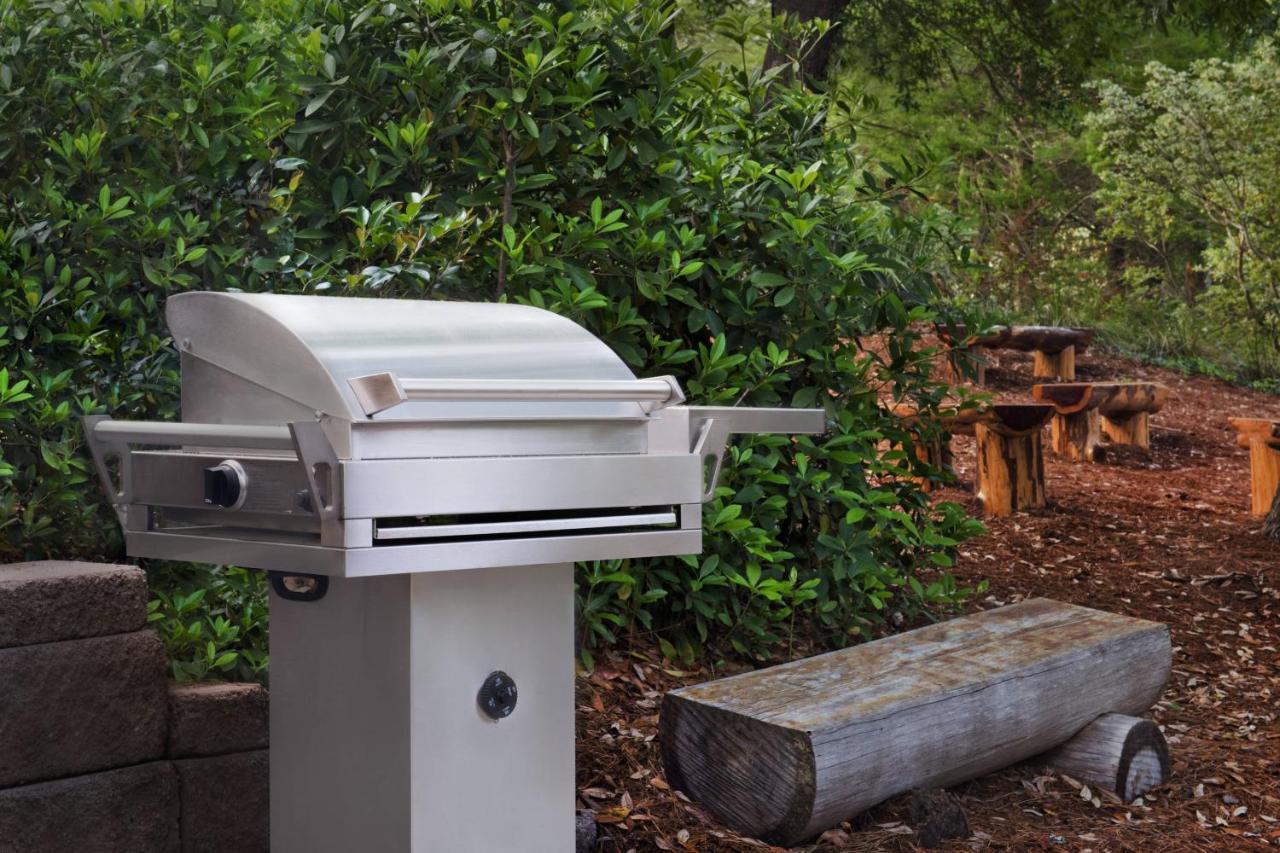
[1121, 407]
[785, 752]
[1053, 348]
[1010, 455]
[1262, 437]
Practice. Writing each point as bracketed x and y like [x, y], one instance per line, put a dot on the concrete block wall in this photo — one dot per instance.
[99, 753]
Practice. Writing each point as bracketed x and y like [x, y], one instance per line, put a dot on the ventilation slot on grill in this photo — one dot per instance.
[521, 525]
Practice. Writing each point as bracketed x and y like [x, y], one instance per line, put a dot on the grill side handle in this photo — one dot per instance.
[109, 441]
[378, 392]
[711, 426]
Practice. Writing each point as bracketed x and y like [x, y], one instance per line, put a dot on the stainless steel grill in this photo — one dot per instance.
[364, 451]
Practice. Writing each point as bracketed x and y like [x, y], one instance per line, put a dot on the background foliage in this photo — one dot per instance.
[992, 104]
[702, 219]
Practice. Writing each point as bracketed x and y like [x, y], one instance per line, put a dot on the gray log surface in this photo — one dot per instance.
[786, 752]
[1126, 755]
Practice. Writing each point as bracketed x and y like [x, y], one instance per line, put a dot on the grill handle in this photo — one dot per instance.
[175, 434]
[711, 426]
[378, 392]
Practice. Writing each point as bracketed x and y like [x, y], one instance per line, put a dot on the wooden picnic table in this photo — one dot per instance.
[1084, 410]
[1053, 348]
[1262, 437]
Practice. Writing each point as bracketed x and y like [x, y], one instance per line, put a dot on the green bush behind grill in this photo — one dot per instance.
[702, 221]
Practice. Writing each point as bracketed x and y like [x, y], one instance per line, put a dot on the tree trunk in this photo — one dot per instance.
[786, 752]
[814, 65]
[1126, 755]
[1271, 525]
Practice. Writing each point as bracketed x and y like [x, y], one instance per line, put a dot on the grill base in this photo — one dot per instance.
[377, 742]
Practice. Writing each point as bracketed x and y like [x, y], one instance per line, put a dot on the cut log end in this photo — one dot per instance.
[1125, 755]
[766, 791]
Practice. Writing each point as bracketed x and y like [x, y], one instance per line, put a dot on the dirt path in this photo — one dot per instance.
[1164, 535]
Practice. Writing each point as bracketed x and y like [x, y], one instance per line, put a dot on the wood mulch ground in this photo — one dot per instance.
[1164, 535]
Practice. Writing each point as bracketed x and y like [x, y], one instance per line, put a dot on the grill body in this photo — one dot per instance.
[419, 478]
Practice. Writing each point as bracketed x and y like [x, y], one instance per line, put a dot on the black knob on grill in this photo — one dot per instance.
[224, 485]
[497, 696]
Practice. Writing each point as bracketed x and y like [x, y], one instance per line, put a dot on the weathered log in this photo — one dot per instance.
[1047, 338]
[1125, 411]
[1262, 437]
[1124, 406]
[786, 752]
[1125, 755]
[1010, 458]
[1054, 365]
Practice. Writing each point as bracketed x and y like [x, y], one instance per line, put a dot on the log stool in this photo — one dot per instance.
[1010, 459]
[1124, 415]
[1053, 348]
[1075, 430]
[1262, 437]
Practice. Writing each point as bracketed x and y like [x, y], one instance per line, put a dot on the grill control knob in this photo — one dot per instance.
[497, 696]
[225, 484]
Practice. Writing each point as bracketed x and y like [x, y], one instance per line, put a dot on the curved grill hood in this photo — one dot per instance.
[268, 357]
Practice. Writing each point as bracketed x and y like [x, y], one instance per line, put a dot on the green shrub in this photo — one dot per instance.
[570, 156]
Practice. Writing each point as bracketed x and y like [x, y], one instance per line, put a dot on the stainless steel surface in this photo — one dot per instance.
[444, 464]
[381, 391]
[745, 419]
[170, 434]
[288, 552]
[539, 525]
[402, 487]
[377, 744]
[306, 348]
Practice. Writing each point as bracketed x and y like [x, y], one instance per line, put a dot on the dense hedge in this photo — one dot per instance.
[568, 155]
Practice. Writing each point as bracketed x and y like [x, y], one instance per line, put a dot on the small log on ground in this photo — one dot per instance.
[786, 752]
[1010, 458]
[1126, 755]
[1262, 437]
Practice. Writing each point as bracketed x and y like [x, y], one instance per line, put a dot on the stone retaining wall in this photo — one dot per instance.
[99, 753]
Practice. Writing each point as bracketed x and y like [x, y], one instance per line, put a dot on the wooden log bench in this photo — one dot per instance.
[1262, 437]
[786, 752]
[1080, 407]
[1010, 453]
[1053, 348]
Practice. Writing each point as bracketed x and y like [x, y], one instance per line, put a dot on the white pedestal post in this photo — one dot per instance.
[377, 741]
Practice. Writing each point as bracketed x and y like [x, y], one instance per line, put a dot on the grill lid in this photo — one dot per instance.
[268, 357]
